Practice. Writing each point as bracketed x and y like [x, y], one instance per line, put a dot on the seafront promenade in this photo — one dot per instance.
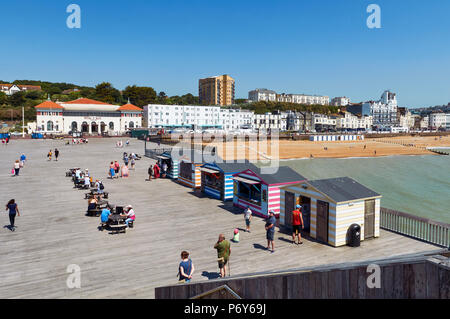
[53, 231]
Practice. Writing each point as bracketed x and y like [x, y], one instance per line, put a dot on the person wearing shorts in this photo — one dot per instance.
[297, 221]
[223, 254]
[111, 170]
[247, 217]
[270, 230]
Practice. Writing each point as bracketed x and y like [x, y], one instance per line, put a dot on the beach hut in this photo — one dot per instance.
[330, 207]
[189, 169]
[172, 164]
[217, 178]
[260, 189]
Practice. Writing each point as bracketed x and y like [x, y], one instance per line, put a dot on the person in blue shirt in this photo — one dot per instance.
[13, 210]
[270, 228]
[23, 158]
[186, 268]
[104, 217]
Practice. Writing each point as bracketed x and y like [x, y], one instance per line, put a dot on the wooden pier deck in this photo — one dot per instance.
[53, 231]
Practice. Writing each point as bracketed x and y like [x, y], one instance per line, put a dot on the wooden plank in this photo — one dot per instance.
[433, 288]
[398, 291]
[420, 280]
[362, 282]
[444, 283]
[387, 282]
[353, 285]
[408, 281]
[335, 284]
[345, 278]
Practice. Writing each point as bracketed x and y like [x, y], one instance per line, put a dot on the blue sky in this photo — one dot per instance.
[314, 47]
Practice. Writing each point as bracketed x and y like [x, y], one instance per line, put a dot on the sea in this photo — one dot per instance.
[418, 185]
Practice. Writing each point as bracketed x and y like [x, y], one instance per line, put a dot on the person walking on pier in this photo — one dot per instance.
[150, 172]
[247, 218]
[13, 210]
[223, 254]
[23, 158]
[56, 154]
[116, 167]
[111, 170]
[156, 170]
[297, 221]
[270, 230]
[49, 155]
[16, 168]
[186, 268]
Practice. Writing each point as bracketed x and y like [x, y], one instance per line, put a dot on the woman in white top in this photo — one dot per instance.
[16, 168]
[247, 217]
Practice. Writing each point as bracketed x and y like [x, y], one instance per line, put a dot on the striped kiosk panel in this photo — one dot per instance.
[197, 176]
[228, 189]
[274, 199]
[173, 172]
[214, 193]
[342, 217]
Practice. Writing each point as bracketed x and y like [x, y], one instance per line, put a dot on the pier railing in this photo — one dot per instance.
[417, 227]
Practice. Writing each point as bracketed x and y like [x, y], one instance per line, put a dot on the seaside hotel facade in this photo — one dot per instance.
[196, 117]
[86, 116]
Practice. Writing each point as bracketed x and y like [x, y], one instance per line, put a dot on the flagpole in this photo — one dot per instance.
[23, 122]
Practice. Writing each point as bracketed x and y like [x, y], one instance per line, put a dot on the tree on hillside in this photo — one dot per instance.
[105, 92]
[162, 98]
[35, 95]
[240, 101]
[17, 99]
[3, 98]
[140, 95]
[88, 93]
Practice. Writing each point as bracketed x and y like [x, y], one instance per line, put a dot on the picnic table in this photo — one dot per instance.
[102, 204]
[94, 192]
[116, 223]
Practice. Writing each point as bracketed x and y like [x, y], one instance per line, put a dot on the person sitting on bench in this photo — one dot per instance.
[87, 181]
[99, 186]
[104, 217]
[92, 203]
[129, 215]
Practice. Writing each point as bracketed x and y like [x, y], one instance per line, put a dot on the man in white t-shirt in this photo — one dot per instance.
[248, 217]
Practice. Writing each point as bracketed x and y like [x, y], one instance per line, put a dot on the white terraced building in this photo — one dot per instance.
[196, 117]
[439, 120]
[262, 95]
[86, 116]
[384, 111]
[270, 121]
[303, 99]
[354, 122]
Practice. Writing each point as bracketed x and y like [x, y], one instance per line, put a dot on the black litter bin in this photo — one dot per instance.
[354, 235]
